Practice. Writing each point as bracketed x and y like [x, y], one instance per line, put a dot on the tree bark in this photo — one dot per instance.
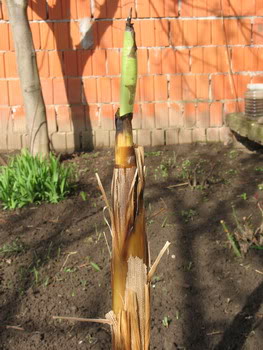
[36, 121]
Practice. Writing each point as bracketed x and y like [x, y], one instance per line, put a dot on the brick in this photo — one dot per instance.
[189, 115]
[83, 8]
[51, 119]
[78, 118]
[204, 32]
[155, 61]
[11, 39]
[197, 65]
[185, 136]
[216, 114]
[92, 116]
[147, 33]
[75, 35]
[99, 62]
[85, 62]
[14, 141]
[170, 8]
[258, 31]
[238, 59]
[43, 64]
[5, 122]
[176, 32]
[144, 138]
[143, 8]
[175, 115]
[114, 9]
[70, 63]
[176, 92]
[4, 37]
[2, 65]
[115, 89]
[107, 117]
[218, 87]
[160, 88]
[90, 90]
[157, 137]
[5, 14]
[87, 140]
[142, 55]
[4, 97]
[171, 137]
[248, 8]
[200, 8]
[161, 115]
[169, 64]
[157, 8]
[202, 115]
[260, 59]
[10, 65]
[100, 9]
[250, 58]
[231, 107]
[55, 63]
[223, 62]
[190, 33]
[104, 34]
[230, 86]
[15, 93]
[64, 119]
[46, 35]
[24, 140]
[218, 34]
[242, 82]
[117, 33]
[189, 87]
[104, 89]
[61, 32]
[202, 87]
[69, 9]
[72, 142]
[244, 31]
[58, 141]
[102, 138]
[210, 59]
[259, 8]
[39, 10]
[212, 135]
[60, 91]
[258, 79]
[161, 32]
[225, 135]
[74, 90]
[231, 8]
[187, 8]
[148, 114]
[146, 88]
[19, 118]
[47, 90]
[199, 135]
[231, 31]
[113, 62]
[54, 9]
[34, 26]
[182, 61]
[137, 117]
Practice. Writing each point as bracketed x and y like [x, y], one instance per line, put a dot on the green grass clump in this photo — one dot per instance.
[33, 179]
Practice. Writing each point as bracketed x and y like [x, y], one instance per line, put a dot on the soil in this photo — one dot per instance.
[203, 295]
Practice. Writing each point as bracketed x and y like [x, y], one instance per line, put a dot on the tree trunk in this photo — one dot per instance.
[36, 121]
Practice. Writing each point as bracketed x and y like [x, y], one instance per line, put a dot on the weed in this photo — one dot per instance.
[260, 187]
[233, 154]
[188, 215]
[259, 169]
[166, 321]
[161, 170]
[153, 153]
[83, 195]
[243, 196]
[95, 266]
[33, 179]
[12, 248]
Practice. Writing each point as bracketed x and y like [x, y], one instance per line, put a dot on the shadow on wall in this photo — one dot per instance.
[74, 115]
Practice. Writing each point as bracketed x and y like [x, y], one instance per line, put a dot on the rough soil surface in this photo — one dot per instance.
[203, 296]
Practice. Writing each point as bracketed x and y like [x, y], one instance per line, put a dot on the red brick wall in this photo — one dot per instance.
[195, 59]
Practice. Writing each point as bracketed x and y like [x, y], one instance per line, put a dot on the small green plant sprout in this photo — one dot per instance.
[259, 168]
[34, 179]
[12, 248]
[243, 196]
[231, 240]
[166, 321]
[161, 171]
[233, 154]
[153, 153]
[95, 266]
[83, 195]
[260, 187]
[188, 215]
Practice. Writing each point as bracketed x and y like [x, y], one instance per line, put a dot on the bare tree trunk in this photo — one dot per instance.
[29, 78]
